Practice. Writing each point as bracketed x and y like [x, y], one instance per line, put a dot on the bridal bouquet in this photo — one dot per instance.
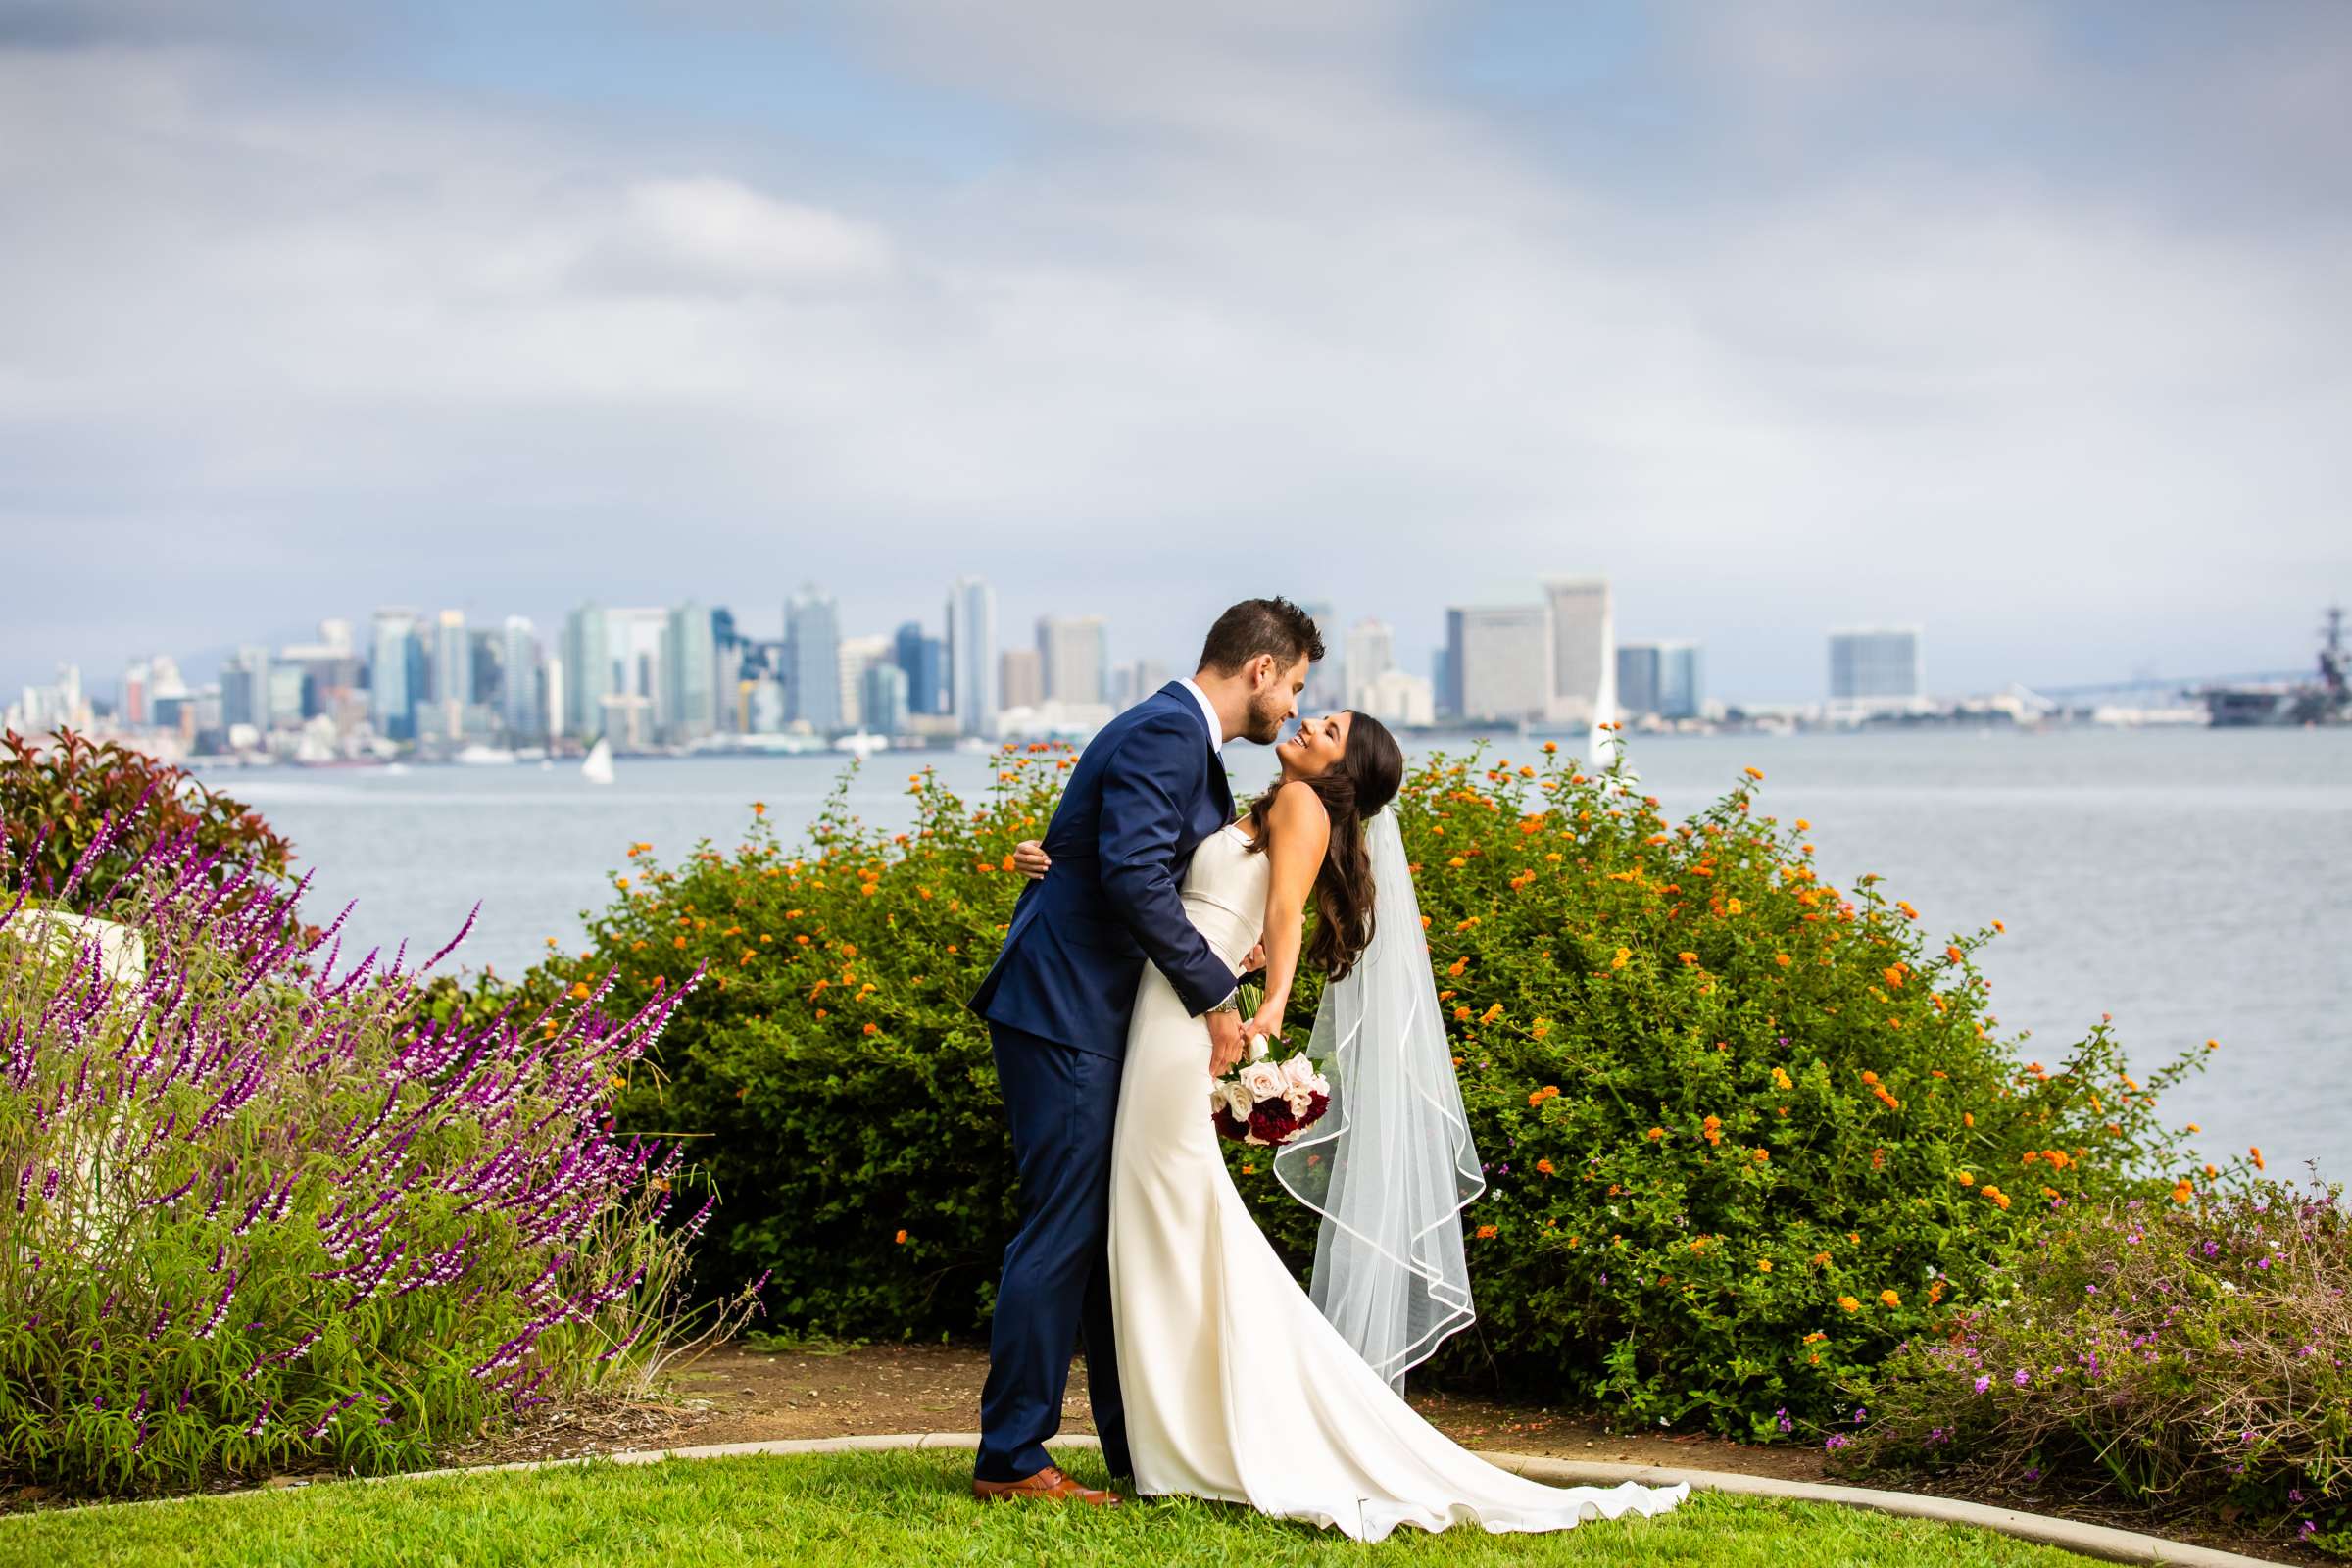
[1268, 1102]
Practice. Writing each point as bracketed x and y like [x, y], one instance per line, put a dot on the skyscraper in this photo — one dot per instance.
[1498, 659]
[138, 685]
[925, 658]
[882, 697]
[812, 659]
[1136, 680]
[689, 668]
[1661, 678]
[453, 671]
[972, 655]
[394, 692]
[245, 688]
[858, 655]
[1074, 656]
[1371, 653]
[520, 704]
[1021, 678]
[1875, 666]
[587, 671]
[1583, 663]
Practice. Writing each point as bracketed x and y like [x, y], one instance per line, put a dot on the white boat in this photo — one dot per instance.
[598, 768]
[862, 744]
[479, 755]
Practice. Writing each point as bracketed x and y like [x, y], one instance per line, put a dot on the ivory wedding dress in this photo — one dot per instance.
[1236, 1386]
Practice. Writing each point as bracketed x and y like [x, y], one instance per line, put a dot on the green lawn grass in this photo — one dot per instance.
[906, 1507]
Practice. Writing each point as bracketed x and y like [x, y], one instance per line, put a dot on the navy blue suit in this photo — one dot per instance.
[1145, 792]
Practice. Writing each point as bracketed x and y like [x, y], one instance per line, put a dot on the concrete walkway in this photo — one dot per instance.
[2090, 1540]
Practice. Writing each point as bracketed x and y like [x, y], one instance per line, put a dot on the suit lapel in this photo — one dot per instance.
[1220, 787]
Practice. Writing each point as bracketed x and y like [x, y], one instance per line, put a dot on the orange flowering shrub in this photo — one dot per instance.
[1656, 1096]
[1747, 1066]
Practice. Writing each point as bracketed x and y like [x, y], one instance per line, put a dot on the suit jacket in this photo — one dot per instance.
[1145, 792]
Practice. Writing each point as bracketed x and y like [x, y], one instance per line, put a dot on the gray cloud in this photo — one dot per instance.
[1884, 325]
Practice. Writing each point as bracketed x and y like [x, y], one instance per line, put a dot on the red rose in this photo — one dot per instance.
[1272, 1120]
[1228, 1128]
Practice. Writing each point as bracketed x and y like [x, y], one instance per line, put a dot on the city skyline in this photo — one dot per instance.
[2016, 321]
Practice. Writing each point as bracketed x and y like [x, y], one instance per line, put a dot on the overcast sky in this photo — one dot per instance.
[2028, 323]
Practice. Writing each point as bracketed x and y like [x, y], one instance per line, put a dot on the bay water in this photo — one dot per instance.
[2197, 884]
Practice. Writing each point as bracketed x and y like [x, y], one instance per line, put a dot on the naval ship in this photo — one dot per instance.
[2325, 701]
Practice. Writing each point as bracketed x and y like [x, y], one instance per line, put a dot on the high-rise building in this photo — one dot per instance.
[812, 659]
[1073, 655]
[1660, 678]
[519, 661]
[452, 671]
[1396, 698]
[1371, 653]
[689, 669]
[394, 689]
[1327, 678]
[245, 688]
[138, 686]
[925, 658]
[1583, 663]
[859, 654]
[1499, 660]
[1021, 678]
[486, 657]
[587, 678]
[882, 697]
[1442, 684]
[972, 671]
[1875, 666]
[1135, 680]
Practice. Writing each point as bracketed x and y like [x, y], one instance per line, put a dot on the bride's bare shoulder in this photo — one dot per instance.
[1298, 817]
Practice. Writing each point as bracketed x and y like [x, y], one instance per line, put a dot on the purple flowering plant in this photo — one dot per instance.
[261, 1208]
[2192, 1357]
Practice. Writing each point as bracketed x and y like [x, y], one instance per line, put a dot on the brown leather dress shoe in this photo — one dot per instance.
[1049, 1482]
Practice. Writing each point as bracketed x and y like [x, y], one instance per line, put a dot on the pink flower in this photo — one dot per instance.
[1263, 1080]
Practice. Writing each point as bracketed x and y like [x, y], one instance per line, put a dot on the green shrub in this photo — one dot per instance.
[56, 794]
[2171, 1353]
[1745, 1132]
[253, 1216]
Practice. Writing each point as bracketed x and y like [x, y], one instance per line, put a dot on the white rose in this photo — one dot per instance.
[1239, 1103]
[1263, 1080]
[1257, 1048]
[1301, 1100]
[1319, 1084]
[1299, 1071]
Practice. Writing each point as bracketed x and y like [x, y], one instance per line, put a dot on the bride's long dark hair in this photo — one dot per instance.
[1363, 780]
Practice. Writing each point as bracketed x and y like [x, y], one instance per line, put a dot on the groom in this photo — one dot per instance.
[1147, 789]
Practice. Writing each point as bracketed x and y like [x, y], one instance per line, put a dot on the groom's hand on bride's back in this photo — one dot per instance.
[1029, 857]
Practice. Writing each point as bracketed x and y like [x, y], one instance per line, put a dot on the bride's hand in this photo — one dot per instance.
[1029, 857]
[1267, 1022]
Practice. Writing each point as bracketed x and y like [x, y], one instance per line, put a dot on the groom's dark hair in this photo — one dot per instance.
[1257, 627]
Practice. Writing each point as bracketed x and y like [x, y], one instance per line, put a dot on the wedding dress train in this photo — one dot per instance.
[1236, 1386]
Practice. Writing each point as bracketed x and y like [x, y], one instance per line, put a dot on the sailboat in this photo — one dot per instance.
[598, 768]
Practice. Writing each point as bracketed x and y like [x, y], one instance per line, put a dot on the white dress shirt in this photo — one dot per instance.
[1209, 712]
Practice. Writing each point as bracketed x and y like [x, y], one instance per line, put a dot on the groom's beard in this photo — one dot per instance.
[1264, 724]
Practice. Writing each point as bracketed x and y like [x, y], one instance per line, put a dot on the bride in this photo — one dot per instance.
[1238, 1385]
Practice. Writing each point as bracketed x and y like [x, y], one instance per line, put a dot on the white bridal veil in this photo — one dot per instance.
[1390, 1165]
